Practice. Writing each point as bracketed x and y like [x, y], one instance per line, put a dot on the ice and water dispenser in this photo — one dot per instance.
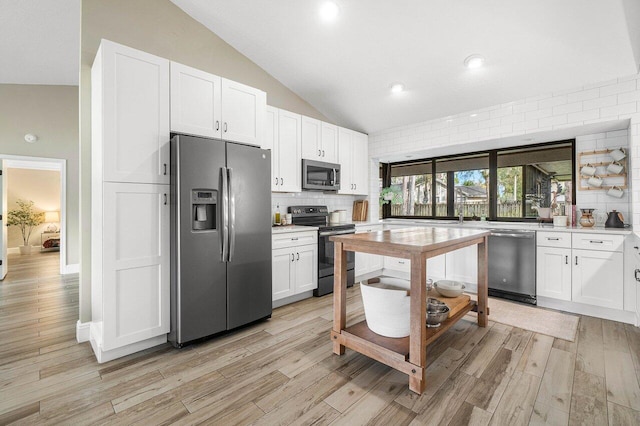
[203, 209]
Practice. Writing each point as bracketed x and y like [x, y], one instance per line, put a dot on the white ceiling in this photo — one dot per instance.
[39, 41]
[344, 69]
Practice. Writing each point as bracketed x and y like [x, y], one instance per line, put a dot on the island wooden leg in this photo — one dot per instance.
[483, 286]
[418, 338]
[339, 294]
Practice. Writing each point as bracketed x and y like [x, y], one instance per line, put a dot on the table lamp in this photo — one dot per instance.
[52, 218]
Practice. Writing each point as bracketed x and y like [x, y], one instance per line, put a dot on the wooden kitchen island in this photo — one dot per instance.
[408, 354]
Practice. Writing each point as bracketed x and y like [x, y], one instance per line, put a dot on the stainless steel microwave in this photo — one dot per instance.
[320, 176]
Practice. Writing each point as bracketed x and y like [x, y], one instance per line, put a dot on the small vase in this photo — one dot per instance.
[25, 250]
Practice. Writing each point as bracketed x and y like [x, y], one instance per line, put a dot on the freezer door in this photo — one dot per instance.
[198, 284]
[249, 267]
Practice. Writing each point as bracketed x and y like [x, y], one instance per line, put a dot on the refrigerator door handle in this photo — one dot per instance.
[232, 215]
[224, 213]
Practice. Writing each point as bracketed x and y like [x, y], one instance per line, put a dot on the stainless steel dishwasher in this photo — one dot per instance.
[512, 265]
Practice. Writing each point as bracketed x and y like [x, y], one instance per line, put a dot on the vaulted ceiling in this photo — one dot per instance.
[345, 68]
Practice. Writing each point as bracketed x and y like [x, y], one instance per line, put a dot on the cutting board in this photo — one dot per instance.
[455, 304]
[360, 210]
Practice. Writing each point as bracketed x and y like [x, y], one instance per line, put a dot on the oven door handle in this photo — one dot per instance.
[332, 233]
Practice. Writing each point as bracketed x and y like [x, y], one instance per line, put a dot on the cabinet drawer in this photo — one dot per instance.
[360, 229]
[554, 239]
[604, 242]
[293, 239]
[397, 264]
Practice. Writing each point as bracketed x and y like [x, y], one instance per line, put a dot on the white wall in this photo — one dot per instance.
[571, 113]
[40, 186]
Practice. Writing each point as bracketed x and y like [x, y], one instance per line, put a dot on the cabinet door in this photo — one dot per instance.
[243, 115]
[397, 264]
[283, 273]
[345, 152]
[131, 116]
[289, 145]
[306, 265]
[436, 267]
[311, 138]
[329, 142]
[553, 272]
[271, 142]
[462, 265]
[360, 166]
[195, 101]
[363, 263]
[597, 278]
[135, 276]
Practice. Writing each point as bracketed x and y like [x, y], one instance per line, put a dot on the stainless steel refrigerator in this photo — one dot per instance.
[220, 236]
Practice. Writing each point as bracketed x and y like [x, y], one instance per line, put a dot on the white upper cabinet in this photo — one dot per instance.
[283, 136]
[195, 101]
[242, 112]
[130, 115]
[352, 153]
[288, 152]
[204, 104]
[319, 140]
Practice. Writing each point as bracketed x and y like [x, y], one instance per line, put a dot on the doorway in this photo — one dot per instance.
[40, 183]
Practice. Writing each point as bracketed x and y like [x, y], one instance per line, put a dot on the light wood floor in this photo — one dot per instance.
[282, 371]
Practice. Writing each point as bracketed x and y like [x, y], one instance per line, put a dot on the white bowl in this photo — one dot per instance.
[449, 288]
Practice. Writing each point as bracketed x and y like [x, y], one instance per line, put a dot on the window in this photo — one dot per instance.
[524, 179]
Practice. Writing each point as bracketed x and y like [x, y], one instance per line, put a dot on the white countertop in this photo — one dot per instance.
[283, 229]
[504, 225]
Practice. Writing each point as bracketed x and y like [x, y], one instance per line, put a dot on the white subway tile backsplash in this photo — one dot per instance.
[583, 95]
[614, 89]
[580, 116]
[513, 118]
[504, 111]
[525, 107]
[541, 113]
[551, 102]
[617, 110]
[567, 108]
[624, 98]
[600, 102]
[553, 120]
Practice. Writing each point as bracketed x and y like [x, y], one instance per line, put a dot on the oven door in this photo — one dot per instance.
[326, 255]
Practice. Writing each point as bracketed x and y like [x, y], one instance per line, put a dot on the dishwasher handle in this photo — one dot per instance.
[527, 235]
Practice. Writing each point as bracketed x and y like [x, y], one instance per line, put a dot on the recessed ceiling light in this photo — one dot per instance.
[474, 61]
[397, 87]
[329, 11]
[474, 115]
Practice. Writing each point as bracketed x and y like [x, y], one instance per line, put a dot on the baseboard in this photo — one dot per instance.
[589, 310]
[291, 299]
[105, 356]
[74, 268]
[83, 331]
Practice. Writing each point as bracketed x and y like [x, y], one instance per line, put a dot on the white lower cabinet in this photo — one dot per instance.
[598, 278]
[440, 267]
[581, 267]
[130, 269]
[553, 272]
[367, 263]
[294, 264]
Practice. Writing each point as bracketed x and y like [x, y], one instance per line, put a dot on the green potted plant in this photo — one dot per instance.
[26, 218]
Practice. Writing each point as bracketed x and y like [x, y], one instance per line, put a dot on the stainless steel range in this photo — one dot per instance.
[318, 216]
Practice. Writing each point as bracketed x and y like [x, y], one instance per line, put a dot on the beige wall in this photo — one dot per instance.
[51, 112]
[161, 28]
[40, 186]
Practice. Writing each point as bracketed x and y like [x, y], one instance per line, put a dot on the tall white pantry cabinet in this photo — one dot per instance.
[129, 200]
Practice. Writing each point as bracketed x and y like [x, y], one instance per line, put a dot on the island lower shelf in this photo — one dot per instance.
[393, 352]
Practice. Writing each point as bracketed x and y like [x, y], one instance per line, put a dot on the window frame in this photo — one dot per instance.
[385, 169]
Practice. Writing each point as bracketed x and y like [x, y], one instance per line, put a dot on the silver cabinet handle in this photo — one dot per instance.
[281, 181]
[566, 260]
[225, 127]
[401, 262]
[323, 152]
[165, 168]
[298, 256]
[596, 241]
[635, 273]
[553, 239]
[319, 153]
[217, 125]
[292, 257]
[276, 181]
[294, 239]
[165, 199]
[576, 260]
